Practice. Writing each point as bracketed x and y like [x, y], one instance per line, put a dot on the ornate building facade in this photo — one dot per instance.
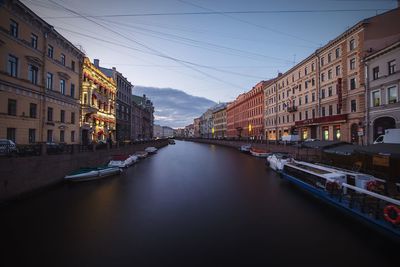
[98, 99]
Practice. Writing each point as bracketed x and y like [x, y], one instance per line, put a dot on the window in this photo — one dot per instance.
[49, 114]
[330, 91]
[352, 44]
[352, 83]
[73, 117]
[330, 110]
[62, 59]
[32, 136]
[85, 98]
[11, 134]
[325, 133]
[12, 66]
[299, 101]
[49, 136]
[312, 97]
[391, 67]
[14, 28]
[352, 63]
[392, 95]
[49, 81]
[313, 113]
[50, 51]
[62, 86]
[306, 99]
[313, 82]
[62, 135]
[375, 73]
[329, 57]
[72, 65]
[322, 61]
[322, 77]
[34, 40]
[300, 116]
[337, 52]
[305, 71]
[62, 116]
[376, 98]
[306, 115]
[329, 74]
[322, 93]
[72, 90]
[72, 136]
[323, 111]
[33, 74]
[312, 67]
[306, 84]
[12, 107]
[338, 111]
[336, 132]
[353, 105]
[32, 110]
[337, 70]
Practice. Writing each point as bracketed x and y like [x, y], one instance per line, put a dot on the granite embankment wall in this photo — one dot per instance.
[22, 175]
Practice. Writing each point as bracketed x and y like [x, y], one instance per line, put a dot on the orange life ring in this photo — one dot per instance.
[390, 210]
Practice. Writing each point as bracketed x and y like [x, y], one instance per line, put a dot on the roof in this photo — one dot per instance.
[342, 149]
[392, 150]
[322, 144]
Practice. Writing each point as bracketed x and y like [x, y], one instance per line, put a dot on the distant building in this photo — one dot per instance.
[196, 127]
[383, 83]
[39, 79]
[98, 104]
[189, 131]
[124, 102]
[219, 121]
[168, 132]
[157, 131]
[142, 118]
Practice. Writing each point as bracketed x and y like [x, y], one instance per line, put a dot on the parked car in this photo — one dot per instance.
[8, 147]
[391, 136]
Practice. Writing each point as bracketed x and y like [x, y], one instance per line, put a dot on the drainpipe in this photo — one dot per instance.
[367, 130]
[318, 87]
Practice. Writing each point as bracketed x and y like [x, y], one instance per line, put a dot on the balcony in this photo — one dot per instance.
[292, 109]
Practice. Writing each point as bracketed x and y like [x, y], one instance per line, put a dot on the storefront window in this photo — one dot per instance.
[325, 133]
[336, 132]
[305, 134]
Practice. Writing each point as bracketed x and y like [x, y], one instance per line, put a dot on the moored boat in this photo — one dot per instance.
[141, 154]
[245, 148]
[151, 150]
[276, 161]
[122, 161]
[348, 192]
[260, 153]
[87, 174]
[171, 141]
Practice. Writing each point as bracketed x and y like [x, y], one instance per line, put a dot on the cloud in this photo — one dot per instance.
[173, 107]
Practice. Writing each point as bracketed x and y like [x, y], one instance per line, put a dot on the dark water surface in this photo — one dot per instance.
[190, 204]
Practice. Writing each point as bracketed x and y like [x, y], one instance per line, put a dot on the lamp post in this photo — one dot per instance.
[250, 131]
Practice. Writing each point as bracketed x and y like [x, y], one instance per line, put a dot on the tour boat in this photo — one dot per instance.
[151, 150]
[276, 161]
[245, 148]
[259, 152]
[122, 161]
[347, 191]
[141, 154]
[88, 174]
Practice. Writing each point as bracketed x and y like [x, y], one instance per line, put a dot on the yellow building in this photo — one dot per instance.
[39, 79]
[97, 104]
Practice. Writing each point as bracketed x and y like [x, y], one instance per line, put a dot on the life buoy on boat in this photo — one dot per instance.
[372, 185]
[391, 214]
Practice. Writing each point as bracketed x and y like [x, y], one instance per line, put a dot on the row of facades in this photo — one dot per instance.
[347, 90]
[51, 92]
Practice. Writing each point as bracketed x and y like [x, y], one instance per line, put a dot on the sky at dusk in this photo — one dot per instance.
[217, 55]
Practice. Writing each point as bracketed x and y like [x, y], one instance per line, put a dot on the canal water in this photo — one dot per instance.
[190, 204]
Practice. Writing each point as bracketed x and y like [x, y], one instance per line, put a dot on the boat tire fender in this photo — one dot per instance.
[388, 213]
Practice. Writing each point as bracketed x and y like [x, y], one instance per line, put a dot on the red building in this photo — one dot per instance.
[245, 115]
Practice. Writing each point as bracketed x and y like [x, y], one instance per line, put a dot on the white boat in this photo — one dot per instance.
[151, 150]
[141, 154]
[245, 148]
[276, 161]
[122, 161]
[92, 173]
[260, 153]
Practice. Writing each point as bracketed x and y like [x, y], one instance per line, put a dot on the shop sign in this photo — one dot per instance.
[360, 132]
[327, 119]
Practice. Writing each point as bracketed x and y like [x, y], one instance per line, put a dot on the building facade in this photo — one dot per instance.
[323, 96]
[168, 132]
[219, 121]
[245, 115]
[383, 83]
[142, 119]
[196, 127]
[39, 79]
[157, 131]
[123, 105]
[98, 100]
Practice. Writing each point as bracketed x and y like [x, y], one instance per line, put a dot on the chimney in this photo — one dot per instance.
[96, 62]
[279, 74]
[114, 69]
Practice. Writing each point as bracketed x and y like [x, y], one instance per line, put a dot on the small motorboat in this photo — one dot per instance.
[141, 154]
[276, 161]
[260, 153]
[122, 161]
[87, 174]
[151, 150]
[245, 148]
[171, 141]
